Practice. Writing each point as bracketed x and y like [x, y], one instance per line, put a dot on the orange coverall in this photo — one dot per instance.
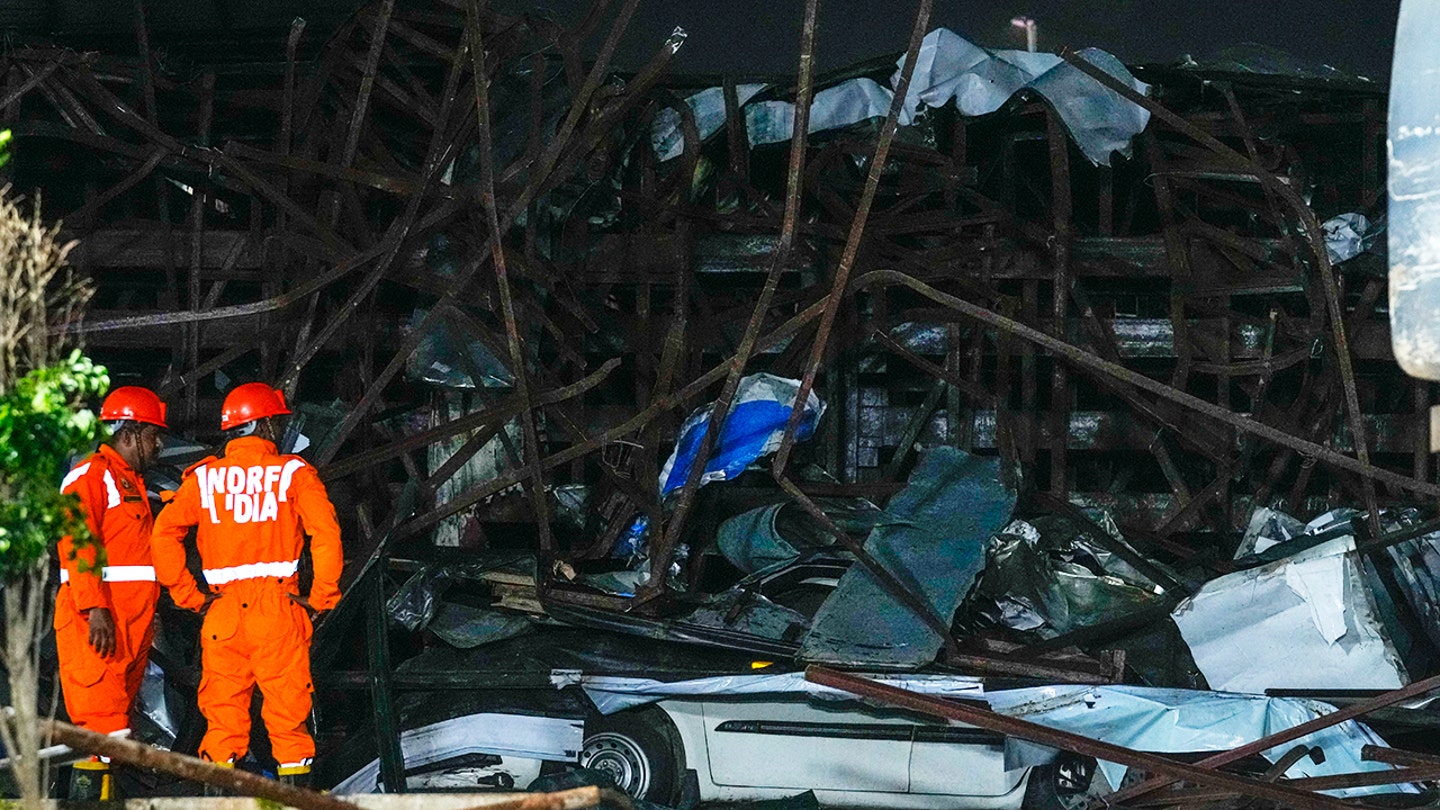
[251, 508]
[98, 691]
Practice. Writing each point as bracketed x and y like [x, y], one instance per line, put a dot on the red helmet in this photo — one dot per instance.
[134, 404]
[251, 401]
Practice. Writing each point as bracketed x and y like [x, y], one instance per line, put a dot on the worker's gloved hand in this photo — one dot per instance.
[102, 632]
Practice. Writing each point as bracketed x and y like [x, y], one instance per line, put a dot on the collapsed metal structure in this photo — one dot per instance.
[507, 304]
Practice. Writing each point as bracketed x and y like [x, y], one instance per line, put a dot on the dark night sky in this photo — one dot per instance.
[762, 36]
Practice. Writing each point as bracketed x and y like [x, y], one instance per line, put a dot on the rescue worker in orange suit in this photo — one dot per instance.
[252, 508]
[104, 618]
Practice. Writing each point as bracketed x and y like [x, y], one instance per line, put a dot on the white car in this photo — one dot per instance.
[677, 750]
[850, 754]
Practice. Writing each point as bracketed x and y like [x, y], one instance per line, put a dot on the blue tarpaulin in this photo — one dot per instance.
[753, 427]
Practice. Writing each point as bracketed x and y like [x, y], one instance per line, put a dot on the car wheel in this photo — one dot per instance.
[1062, 785]
[640, 750]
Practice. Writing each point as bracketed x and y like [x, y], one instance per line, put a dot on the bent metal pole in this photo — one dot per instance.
[1080, 744]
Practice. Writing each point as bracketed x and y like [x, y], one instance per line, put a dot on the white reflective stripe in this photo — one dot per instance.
[112, 491]
[119, 573]
[286, 474]
[74, 476]
[279, 570]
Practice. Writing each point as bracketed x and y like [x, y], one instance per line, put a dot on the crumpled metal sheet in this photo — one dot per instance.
[708, 107]
[1180, 720]
[980, 82]
[948, 68]
[515, 735]
[1347, 236]
[1052, 580]
[1248, 629]
[932, 538]
[769, 535]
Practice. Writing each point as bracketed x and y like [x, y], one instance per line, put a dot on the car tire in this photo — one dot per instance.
[640, 750]
[1061, 785]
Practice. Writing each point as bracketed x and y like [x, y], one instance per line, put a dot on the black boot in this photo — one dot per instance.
[91, 781]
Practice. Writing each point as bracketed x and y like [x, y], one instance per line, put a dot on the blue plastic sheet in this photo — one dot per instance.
[753, 427]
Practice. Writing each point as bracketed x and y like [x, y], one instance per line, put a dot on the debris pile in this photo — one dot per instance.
[1016, 366]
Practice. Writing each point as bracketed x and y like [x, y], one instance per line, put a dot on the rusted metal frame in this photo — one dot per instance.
[1058, 143]
[677, 187]
[1104, 340]
[502, 411]
[1050, 672]
[1091, 361]
[1368, 489]
[462, 455]
[121, 112]
[308, 101]
[887, 580]
[1421, 457]
[546, 162]
[287, 98]
[852, 242]
[1178, 253]
[32, 80]
[581, 103]
[1313, 235]
[65, 101]
[1190, 510]
[84, 215]
[672, 354]
[664, 550]
[197, 246]
[418, 40]
[1323, 413]
[535, 481]
[951, 378]
[395, 237]
[418, 100]
[1026, 730]
[192, 377]
[737, 134]
[1340, 781]
[469, 328]
[629, 426]
[913, 428]
[367, 85]
[382, 182]
[236, 310]
[147, 68]
[146, 77]
[1398, 757]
